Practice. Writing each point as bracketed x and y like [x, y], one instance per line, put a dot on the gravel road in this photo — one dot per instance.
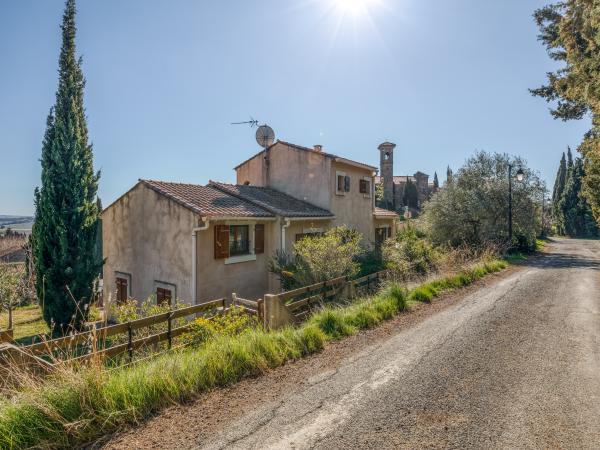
[513, 365]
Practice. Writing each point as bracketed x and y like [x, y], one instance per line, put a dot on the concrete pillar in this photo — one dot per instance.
[276, 313]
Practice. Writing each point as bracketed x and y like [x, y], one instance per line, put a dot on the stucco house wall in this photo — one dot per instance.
[299, 173]
[148, 237]
[353, 208]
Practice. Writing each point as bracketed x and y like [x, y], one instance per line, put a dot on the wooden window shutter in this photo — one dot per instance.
[221, 241]
[363, 187]
[347, 183]
[259, 239]
[122, 290]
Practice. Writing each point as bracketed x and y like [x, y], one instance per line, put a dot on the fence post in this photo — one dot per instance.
[234, 299]
[170, 329]
[130, 345]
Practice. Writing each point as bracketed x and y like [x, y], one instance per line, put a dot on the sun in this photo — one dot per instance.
[354, 7]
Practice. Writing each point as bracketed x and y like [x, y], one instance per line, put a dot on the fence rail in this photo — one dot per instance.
[293, 306]
[95, 341]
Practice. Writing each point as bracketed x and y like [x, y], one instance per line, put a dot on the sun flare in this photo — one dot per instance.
[354, 7]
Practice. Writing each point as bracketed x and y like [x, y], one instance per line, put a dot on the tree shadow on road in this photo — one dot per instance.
[562, 261]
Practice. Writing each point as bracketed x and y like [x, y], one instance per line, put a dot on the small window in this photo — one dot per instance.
[123, 293]
[365, 186]
[340, 183]
[164, 296]
[239, 242]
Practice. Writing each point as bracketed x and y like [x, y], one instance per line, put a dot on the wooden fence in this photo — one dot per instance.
[293, 306]
[274, 310]
[96, 343]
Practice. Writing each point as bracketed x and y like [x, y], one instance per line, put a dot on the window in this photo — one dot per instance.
[163, 296]
[342, 183]
[239, 242]
[365, 186]
[122, 282]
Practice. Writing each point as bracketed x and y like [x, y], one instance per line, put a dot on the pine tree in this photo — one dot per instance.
[66, 219]
[577, 218]
[559, 187]
[436, 183]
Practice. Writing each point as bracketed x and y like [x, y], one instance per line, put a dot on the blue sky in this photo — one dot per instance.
[439, 78]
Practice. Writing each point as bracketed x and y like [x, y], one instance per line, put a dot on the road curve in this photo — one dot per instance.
[514, 365]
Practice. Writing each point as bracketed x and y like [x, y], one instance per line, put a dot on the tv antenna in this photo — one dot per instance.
[252, 122]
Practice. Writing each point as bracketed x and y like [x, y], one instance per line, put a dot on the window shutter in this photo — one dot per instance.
[363, 187]
[221, 241]
[259, 239]
[347, 183]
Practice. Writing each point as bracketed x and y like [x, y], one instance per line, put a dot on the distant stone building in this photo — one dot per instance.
[400, 191]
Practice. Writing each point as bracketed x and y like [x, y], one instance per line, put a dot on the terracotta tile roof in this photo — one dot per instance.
[207, 200]
[308, 149]
[272, 200]
[384, 212]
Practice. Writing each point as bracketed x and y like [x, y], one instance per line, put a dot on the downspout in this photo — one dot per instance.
[204, 227]
[283, 227]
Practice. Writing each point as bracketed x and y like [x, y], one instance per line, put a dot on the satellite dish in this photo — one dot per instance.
[265, 136]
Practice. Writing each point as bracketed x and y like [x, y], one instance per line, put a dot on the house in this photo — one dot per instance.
[395, 187]
[197, 243]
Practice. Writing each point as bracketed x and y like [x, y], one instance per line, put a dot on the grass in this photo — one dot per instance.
[28, 322]
[77, 406]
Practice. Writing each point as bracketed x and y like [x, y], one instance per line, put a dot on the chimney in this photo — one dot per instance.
[318, 148]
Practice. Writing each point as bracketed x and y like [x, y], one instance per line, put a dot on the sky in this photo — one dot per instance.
[165, 79]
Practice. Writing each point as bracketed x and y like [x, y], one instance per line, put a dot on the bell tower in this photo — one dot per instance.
[386, 169]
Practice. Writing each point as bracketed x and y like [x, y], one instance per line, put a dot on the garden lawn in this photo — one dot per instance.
[28, 323]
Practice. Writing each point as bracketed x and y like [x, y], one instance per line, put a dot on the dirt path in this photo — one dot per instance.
[511, 362]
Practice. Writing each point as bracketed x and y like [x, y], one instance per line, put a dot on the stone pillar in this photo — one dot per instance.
[386, 169]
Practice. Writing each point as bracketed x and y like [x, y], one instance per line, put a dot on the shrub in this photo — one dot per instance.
[231, 323]
[319, 258]
[409, 254]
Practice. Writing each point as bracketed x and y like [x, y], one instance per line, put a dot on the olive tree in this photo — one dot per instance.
[473, 209]
[11, 281]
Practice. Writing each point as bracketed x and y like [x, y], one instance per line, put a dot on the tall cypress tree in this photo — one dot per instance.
[559, 187]
[448, 175]
[577, 218]
[67, 214]
[436, 183]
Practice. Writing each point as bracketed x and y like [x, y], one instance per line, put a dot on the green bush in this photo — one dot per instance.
[319, 258]
[409, 254]
[232, 323]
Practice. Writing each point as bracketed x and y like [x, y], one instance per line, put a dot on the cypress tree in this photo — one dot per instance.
[559, 187]
[411, 195]
[448, 175]
[436, 183]
[577, 216]
[66, 219]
